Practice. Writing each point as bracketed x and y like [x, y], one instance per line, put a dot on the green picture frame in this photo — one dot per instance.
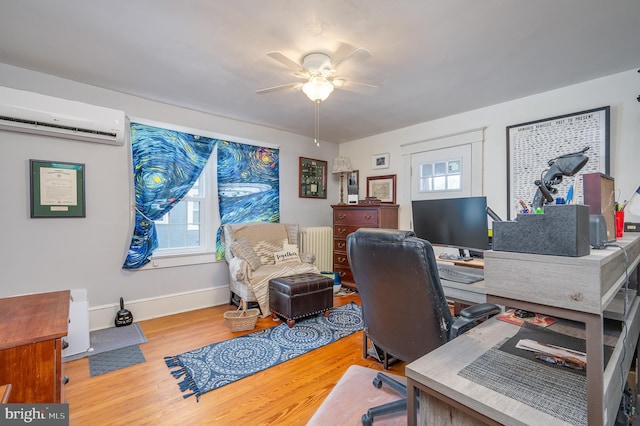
[312, 181]
[57, 189]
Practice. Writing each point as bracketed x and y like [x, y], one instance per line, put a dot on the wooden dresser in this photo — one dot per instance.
[348, 218]
[31, 335]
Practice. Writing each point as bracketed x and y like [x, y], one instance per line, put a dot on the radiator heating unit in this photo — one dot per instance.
[319, 241]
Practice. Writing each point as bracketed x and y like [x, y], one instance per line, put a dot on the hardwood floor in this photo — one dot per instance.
[147, 394]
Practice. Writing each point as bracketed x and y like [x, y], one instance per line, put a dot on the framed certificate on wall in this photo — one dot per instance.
[57, 189]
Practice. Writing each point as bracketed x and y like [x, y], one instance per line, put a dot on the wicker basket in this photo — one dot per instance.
[242, 319]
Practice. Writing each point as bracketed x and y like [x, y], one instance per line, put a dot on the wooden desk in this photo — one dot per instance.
[579, 289]
[463, 295]
[473, 263]
[31, 335]
[447, 398]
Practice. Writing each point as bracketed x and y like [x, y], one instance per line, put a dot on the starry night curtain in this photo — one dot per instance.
[248, 185]
[166, 164]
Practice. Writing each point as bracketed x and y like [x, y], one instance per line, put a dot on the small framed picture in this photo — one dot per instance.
[382, 188]
[380, 161]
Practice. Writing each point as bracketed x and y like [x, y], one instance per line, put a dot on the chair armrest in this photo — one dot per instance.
[238, 269]
[470, 315]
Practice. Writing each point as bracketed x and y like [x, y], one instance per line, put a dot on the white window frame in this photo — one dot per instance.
[472, 137]
[427, 184]
[204, 200]
[209, 221]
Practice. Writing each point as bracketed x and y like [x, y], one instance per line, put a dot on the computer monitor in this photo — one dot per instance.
[453, 222]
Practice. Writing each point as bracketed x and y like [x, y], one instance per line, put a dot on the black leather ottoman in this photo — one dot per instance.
[301, 295]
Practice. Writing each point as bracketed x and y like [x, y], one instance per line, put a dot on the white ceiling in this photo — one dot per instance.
[430, 58]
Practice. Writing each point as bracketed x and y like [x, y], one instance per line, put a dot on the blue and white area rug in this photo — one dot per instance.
[219, 364]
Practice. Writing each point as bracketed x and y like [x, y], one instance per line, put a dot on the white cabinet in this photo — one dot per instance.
[78, 335]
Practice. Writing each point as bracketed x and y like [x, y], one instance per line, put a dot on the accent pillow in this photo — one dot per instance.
[242, 248]
[286, 256]
[287, 246]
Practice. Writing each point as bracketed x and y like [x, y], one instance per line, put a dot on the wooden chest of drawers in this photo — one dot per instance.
[347, 219]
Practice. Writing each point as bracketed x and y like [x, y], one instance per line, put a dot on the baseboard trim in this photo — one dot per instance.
[143, 309]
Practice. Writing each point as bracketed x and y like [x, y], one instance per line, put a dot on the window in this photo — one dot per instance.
[189, 228]
[440, 176]
[180, 228]
[443, 173]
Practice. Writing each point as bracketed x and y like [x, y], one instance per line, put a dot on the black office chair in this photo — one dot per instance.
[403, 306]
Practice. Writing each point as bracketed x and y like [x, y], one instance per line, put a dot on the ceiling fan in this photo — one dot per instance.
[320, 74]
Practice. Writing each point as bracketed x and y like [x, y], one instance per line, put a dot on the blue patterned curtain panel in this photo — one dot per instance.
[166, 164]
[248, 185]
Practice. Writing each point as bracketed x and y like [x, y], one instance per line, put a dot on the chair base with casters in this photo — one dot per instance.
[390, 407]
[468, 318]
[375, 352]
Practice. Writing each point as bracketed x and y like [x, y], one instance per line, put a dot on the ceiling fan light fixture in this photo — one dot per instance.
[337, 83]
[317, 88]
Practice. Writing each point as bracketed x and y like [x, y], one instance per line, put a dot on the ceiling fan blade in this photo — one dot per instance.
[280, 87]
[359, 53]
[354, 86]
[287, 62]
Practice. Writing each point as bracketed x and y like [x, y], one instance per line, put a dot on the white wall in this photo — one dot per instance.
[40, 255]
[618, 91]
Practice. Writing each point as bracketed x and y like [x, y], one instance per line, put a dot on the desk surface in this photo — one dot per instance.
[33, 318]
[439, 369]
[580, 289]
[470, 293]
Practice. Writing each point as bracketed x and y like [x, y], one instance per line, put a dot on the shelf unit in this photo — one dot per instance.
[586, 289]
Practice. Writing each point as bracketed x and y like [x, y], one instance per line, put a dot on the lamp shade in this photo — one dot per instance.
[317, 88]
[341, 165]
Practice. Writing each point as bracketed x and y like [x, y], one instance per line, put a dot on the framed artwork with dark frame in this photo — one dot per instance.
[382, 188]
[380, 161]
[531, 145]
[312, 181]
[57, 189]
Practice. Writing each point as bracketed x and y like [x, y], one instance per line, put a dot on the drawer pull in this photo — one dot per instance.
[342, 274]
[342, 230]
[341, 245]
[342, 259]
[368, 216]
[341, 216]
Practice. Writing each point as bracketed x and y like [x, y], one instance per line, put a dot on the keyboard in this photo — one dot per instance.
[450, 273]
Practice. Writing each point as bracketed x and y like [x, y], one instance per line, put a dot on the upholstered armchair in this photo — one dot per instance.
[259, 251]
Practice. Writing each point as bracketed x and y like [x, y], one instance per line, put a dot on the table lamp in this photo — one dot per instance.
[341, 166]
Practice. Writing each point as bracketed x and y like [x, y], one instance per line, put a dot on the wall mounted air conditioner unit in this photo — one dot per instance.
[22, 111]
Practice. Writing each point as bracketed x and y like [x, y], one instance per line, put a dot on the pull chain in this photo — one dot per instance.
[317, 129]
